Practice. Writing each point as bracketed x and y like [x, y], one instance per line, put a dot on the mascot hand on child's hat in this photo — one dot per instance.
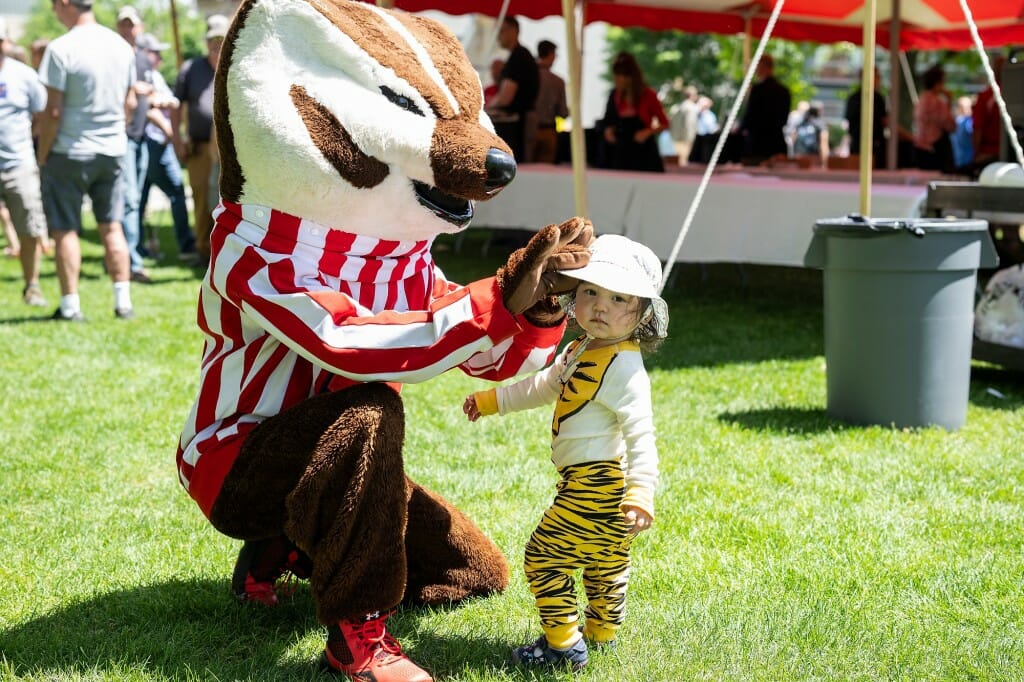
[530, 279]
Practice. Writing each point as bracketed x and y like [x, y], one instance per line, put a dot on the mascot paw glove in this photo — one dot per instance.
[530, 281]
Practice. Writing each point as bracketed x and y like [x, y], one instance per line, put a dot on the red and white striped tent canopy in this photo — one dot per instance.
[923, 24]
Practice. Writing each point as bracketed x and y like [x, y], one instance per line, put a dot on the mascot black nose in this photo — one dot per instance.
[501, 168]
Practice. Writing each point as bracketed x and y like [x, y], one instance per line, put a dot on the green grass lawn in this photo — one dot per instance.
[787, 546]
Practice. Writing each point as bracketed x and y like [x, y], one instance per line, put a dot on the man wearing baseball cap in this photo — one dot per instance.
[197, 148]
[164, 168]
[136, 161]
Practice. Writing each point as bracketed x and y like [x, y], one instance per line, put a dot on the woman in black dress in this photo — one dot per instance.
[632, 119]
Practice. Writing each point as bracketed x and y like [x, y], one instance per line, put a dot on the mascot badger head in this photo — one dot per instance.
[360, 119]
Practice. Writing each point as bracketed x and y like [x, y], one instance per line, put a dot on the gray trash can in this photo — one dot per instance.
[899, 311]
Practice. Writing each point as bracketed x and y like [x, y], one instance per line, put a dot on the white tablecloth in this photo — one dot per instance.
[742, 218]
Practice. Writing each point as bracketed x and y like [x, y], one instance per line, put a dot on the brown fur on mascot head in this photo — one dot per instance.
[350, 137]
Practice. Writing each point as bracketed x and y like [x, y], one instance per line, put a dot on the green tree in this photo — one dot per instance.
[156, 15]
[671, 59]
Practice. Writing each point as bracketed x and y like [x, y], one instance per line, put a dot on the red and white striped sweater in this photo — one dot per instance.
[291, 308]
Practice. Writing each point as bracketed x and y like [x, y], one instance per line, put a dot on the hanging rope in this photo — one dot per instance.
[1011, 132]
[758, 53]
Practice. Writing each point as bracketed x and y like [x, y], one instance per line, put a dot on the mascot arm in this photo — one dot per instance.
[333, 331]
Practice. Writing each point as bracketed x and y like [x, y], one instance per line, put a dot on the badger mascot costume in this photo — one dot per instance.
[349, 138]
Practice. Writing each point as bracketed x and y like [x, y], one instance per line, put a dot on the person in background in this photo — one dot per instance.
[633, 117]
[136, 160]
[196, 146]
[517, 90]
[933, 123]
[494, 71]
[38, 48]
[880, 120]
[987, 121]
[22, 95]
[549, 106]
[88, 73]
[603, 446]
[811, 137]
[707, 131]
[963, 137]
[164, 169]
[767, 111]
[796, 117]
[683, 123]
[13, 247]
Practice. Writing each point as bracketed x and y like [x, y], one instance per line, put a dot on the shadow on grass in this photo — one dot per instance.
[195, 630]
[997, 388]
[42, 316]
[795, 420]
[990, 388]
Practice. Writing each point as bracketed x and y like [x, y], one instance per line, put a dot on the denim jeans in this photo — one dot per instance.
[165, 172]
[133, 168]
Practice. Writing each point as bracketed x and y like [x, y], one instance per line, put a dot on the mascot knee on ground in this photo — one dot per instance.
[350, 137]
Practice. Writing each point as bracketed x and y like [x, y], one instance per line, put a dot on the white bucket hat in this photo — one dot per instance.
[620, 264]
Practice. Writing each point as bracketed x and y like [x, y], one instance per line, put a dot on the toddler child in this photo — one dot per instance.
[602, 445]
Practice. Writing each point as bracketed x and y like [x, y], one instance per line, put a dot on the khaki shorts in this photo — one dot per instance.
[19, 190]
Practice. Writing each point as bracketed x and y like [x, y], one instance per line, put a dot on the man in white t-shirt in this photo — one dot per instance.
[21, 96]
[88, 73]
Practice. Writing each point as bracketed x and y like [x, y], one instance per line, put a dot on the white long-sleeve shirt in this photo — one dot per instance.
[291, 308]
[603, 411]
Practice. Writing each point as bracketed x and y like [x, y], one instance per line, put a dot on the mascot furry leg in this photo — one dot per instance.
[336, 463]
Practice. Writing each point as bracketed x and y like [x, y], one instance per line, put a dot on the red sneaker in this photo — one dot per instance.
[364, 650]
[265, 569]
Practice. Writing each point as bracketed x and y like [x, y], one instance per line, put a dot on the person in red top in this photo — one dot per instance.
[632, 119]
[987, 122]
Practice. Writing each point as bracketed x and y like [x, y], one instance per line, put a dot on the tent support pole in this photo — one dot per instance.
[893, 145]
[177, 38]
[577, 140]
[867, 100]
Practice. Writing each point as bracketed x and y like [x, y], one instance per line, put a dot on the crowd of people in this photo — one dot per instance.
[948, 134]
[92, 116]
[64, 135]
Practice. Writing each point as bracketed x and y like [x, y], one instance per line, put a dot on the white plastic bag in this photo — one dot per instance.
[999, 315]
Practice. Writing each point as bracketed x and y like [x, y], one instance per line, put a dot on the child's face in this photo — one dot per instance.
[606, 315]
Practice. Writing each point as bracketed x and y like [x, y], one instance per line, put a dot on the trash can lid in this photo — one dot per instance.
[856, 225]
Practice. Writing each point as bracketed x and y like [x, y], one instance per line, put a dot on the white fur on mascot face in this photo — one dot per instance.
[360, 119]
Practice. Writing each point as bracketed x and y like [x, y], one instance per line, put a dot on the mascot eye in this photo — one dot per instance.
[401, 101]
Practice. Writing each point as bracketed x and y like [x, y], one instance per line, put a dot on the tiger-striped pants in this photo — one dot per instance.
[584, 528]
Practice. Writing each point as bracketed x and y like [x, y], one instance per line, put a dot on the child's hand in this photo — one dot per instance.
[470, 408]
[637, 519]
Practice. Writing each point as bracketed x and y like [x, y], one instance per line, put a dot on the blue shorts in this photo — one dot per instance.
[65, 182]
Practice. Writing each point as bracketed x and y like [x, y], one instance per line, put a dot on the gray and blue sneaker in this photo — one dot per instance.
[540, 653]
